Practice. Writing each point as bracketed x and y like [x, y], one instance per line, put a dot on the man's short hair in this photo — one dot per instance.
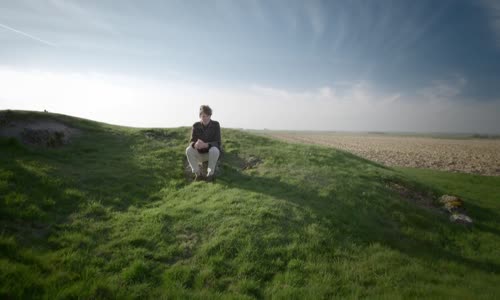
[205, 109]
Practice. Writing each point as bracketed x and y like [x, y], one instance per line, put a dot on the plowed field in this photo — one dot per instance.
[476, 156]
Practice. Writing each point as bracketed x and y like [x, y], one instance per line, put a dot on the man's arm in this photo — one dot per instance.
[194, 137]
[217, 139]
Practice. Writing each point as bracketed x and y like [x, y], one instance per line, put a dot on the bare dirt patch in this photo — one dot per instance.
[475, 156]
[412, 196]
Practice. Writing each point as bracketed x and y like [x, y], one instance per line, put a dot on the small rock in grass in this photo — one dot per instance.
[461, 219]
[455, 206]
[252, 162]
[447, 198]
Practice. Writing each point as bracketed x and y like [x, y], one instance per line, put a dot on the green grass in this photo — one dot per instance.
[112, 216]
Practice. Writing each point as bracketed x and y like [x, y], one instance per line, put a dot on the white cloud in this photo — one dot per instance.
[356, 106]
[110, 98]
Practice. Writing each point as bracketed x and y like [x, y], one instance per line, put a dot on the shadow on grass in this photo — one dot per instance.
[483, 216]
[46, 186]
[367, 221]
[31, 205]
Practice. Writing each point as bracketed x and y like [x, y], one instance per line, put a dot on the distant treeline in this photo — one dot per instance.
[485, 136]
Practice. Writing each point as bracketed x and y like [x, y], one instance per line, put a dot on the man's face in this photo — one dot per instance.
[204, 118]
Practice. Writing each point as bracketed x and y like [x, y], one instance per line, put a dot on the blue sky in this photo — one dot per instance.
[323, 65]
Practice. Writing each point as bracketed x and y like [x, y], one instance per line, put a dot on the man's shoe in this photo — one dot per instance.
[211, 178]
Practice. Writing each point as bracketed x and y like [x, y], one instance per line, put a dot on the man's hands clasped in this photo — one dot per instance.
[200, 145]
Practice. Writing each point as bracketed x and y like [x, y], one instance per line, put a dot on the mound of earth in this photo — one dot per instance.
[39, 132]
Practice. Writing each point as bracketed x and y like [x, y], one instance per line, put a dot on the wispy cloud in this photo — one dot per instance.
[316, 16]
[492, 8]
[28, 35]
[76, 11]
[444, 90]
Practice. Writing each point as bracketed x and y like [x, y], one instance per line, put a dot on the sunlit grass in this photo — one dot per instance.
[112, 216]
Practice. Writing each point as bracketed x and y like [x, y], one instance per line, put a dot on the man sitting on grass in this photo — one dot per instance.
[205, 144]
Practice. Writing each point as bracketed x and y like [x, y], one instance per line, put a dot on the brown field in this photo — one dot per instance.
[469, 155]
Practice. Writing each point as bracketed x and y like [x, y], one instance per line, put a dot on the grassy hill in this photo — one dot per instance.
[112, 215]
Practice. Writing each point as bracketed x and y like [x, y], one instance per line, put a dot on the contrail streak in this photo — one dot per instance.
[28, 35]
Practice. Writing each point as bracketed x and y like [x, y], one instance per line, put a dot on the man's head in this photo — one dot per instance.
[205, 114]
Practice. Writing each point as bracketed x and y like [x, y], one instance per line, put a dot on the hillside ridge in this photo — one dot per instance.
[111, 215]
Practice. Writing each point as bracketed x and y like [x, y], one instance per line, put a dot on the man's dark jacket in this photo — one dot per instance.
[209, 134]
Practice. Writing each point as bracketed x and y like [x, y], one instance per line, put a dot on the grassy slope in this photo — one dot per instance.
[111, 215]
